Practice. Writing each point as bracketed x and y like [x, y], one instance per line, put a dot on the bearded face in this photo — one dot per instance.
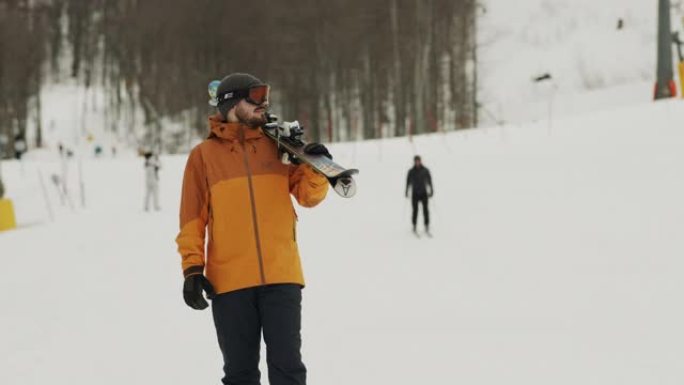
[250, 114]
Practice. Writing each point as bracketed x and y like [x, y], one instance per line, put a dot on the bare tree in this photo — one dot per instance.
[345, 68]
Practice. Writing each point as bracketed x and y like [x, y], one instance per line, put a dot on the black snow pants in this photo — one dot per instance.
[240, 317]
[423, 200]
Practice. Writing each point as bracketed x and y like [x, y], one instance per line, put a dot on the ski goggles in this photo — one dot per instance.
[256, 95]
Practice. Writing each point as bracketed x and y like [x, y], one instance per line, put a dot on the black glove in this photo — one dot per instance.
[192, 291]
[317, 149]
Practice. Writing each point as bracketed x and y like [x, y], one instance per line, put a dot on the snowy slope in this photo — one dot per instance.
[578, 43]
[556, 260]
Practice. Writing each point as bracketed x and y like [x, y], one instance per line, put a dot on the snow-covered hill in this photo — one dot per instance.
[593, 65]
[578, 43]
[557, 259]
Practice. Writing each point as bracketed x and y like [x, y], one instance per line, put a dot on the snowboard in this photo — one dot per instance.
[288, 136]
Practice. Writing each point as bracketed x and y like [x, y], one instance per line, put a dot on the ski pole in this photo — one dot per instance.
[434, 208]
[45, 196]
[403, 212]
[80, 182]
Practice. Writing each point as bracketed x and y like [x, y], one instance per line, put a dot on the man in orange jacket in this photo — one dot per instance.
[236, 187]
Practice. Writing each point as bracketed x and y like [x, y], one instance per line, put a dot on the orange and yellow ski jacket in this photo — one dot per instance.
[236, 188]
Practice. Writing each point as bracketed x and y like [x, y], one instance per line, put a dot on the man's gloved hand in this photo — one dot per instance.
[192, 291]
[317, 149]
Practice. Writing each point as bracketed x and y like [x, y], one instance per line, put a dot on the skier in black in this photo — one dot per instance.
[420, 181]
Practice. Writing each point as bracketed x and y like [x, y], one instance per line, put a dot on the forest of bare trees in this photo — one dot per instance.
[347, 69]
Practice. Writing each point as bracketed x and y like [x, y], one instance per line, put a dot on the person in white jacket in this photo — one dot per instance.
[152, 166]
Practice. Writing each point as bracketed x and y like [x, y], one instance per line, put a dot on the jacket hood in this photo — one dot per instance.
[231, 131]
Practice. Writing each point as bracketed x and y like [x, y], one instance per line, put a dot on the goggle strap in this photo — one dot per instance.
[237, 94]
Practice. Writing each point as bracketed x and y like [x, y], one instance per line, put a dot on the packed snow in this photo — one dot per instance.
[556, 259]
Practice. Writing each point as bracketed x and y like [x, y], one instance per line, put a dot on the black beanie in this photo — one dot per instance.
[234, 82]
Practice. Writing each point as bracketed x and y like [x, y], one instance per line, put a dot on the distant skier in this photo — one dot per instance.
[61, 181]
[152, 166]
[420, 183]
[237, 190]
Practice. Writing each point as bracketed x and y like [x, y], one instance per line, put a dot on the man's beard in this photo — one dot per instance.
[254, 121]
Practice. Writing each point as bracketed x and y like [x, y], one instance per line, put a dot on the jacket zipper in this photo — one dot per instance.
[254, 217]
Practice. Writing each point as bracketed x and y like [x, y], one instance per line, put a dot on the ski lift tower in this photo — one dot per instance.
[665, 86]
